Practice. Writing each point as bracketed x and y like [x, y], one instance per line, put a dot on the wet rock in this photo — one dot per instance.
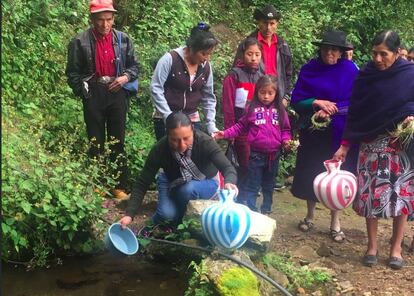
[75, 281]
[218, 269]
[277, 276]
[164, 285]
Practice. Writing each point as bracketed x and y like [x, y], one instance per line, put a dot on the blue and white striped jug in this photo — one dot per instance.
[227, 223]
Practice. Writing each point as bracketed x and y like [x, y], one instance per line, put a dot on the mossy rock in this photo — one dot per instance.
[237, 281]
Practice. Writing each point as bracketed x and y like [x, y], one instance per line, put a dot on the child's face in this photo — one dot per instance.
[252, 56]
[267, 94]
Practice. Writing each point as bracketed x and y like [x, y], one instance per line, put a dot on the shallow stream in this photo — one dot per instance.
[102, 275]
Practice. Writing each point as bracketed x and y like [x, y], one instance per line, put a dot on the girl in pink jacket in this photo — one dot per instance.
[268, 132]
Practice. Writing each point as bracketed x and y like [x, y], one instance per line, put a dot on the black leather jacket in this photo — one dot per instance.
[81, 59]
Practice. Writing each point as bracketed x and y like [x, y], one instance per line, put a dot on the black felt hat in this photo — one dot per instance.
[267, 13]
[334, 38]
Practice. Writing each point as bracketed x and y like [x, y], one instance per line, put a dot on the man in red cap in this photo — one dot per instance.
[101, 61]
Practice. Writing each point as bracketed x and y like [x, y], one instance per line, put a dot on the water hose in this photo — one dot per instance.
[230, 257]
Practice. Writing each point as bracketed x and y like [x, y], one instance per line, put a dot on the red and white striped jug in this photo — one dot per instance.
[335, 188]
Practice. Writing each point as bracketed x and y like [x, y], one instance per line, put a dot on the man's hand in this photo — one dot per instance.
[117, 84]
[230, 186]
[125, 221]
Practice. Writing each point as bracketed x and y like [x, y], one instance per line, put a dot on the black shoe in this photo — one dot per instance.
[370, 260]
[396, 263]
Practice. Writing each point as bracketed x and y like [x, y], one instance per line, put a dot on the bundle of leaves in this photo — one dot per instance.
[318, 123]
[404, 133]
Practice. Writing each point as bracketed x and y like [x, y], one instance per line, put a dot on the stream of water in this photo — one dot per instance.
[102, 275]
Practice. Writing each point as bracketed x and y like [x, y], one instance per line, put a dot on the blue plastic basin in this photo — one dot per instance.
[121, 241]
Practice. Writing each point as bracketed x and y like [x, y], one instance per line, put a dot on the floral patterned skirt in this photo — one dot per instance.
[385, 179]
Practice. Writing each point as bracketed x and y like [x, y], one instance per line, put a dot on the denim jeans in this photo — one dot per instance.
[261, 173]
[172, 204]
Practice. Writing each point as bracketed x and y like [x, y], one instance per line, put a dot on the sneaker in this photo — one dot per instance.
[120, 194]
[266, 211]
[279, 186]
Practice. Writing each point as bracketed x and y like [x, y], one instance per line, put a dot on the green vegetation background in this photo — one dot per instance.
[49, 207]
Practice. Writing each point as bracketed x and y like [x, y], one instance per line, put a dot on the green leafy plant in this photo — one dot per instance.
[298, 276]
[49, 204]
[199, 284]
[185, 229]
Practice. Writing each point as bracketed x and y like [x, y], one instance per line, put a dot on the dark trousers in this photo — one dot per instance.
[159, 127]
[261, 173]
[105, 117]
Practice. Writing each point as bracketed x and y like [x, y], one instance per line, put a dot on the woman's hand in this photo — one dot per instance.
[125, 221]
[286, 146]
[340, 154]
[408, 119]
[218, 135]
[230, 186]
[322, 114]
[325, 105]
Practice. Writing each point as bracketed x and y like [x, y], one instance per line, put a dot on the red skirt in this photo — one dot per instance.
[385, 179]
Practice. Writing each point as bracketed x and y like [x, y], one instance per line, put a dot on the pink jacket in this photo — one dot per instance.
[264, 132]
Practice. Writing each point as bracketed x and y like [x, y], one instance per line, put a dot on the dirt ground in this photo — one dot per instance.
[317, 248]
[344, 258]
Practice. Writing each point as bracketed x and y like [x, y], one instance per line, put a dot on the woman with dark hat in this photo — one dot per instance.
[382, 97]
[323, 89]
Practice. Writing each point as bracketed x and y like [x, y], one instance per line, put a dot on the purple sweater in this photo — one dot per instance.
[263, 130]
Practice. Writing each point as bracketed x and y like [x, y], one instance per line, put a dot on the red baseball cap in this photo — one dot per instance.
[96, 6]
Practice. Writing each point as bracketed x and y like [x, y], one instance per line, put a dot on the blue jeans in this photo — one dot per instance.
[261, 173]
[172, 204]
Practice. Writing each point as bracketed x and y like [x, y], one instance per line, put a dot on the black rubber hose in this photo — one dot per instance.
[232, 258]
